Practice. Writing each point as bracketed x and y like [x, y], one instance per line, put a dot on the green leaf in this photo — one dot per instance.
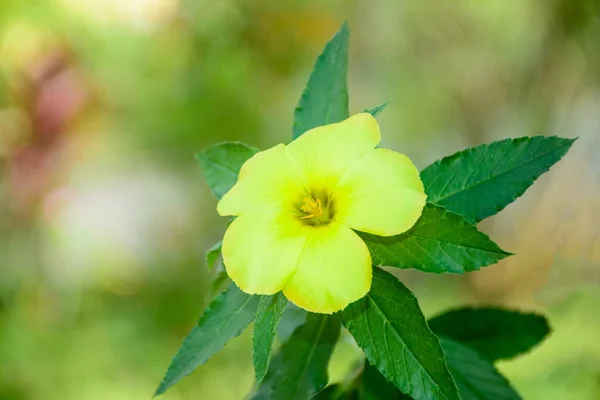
[221, 164]
[439, 242]
[293, 317]
[479, 182]
[476, 376]
[375, 111]
[212, 254]
[220, 282]
[299, 370]
[390, 328]
[376, 387]
[270, 309]
[494, 333]
[325, 98]
[335, 392]
[225, 318]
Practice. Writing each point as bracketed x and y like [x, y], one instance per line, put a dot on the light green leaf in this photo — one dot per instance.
[479, 182]
[390, 328]
[494, 333]
[439, 242]
[299, 369]
[225, 318]
[325, 98]
[334, 392]
[376, 387]
[221, 164]
[212, 254]
[476, 376]
[375, 111]
[270, 309]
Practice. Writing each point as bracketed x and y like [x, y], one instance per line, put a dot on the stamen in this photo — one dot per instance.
[311, 207]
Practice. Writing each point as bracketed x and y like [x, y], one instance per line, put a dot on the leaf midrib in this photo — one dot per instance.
[397, 241]
[386, 320]
[500, 174]
[311, 353]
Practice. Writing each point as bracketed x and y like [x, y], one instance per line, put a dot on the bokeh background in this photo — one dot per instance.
[104, 216]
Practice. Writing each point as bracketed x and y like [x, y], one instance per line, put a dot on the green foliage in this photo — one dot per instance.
[293, 317]
[212, 254]
[225, 318]
[440, 242]
[375, 111]
[299, 370]
[221, 164]
[268, 315]
[325, 98]
[376, 387]
[475, 376]
[390, 328]
[479, 182]
[336, 392]
[494, 333]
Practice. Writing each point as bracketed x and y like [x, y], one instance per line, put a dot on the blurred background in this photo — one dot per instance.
[105, 218]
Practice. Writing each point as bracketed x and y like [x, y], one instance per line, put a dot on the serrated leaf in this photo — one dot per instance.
[390, 328]
[325, 98]
[270, 310]
[440, 242]
[225, 318]
[221, 164]
[375, 111]
[376, 387]
[212, 254]
[299, 369]
[494, 333]
[479, 182]
[476, 376]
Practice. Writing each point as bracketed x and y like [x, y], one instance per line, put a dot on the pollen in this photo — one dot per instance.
[311, 207]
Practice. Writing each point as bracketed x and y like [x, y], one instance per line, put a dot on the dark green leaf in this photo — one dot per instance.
[494, 333]
[270, 309]
[299, 369]
[225, 318]
[439, 242]
[212, 254]
[221, 164]
[375, 111]
[293, 317]
[265, 389]
[376, 387]
[325, 98]
[476, 376]
[390, 328]
[479, 182]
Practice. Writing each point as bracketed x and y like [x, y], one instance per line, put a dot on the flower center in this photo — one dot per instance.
[315, 210]
[311, 207]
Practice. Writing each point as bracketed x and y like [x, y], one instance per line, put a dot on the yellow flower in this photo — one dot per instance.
[297, 207]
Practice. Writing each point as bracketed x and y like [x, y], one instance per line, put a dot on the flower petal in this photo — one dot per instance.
[323, 154]
[261, 251]
[266, 182]
[382, 194]
[334, 270]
